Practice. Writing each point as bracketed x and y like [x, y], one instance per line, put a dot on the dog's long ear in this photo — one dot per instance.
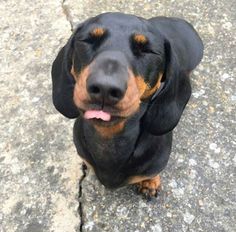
[63, 82]
[166, 108]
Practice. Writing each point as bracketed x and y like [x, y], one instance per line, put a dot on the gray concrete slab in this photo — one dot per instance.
[39, 168]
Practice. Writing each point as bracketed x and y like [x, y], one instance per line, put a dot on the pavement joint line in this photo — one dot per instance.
[80, 208]
[67, 13]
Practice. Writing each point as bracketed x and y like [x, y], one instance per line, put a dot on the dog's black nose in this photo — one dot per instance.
[105, 91]
[107, 82]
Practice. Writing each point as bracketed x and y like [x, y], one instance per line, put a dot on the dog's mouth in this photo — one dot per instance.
[101, 117]
[97, 114]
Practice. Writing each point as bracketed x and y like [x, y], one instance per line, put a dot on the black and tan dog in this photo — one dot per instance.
[126, 80]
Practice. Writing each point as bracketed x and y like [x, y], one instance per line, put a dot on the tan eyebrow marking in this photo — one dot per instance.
[97, 32]
[140, 38]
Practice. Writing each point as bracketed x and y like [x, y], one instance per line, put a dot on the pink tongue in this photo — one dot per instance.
[97, 114]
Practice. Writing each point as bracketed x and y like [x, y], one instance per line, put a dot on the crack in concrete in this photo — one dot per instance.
[80, 208]
[67, 13]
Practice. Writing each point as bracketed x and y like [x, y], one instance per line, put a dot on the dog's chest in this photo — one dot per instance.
[109, 156]
[113, 152]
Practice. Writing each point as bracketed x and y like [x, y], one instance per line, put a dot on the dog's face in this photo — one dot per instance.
[114, 61]
[117, 62]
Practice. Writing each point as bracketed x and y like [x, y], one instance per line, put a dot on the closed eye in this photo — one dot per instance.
[142, 49]
[149, 50]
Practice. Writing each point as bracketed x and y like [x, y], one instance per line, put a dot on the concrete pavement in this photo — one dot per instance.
[39, 170]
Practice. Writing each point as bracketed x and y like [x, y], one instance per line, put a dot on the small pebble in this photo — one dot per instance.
[224, 76]
[200, 202]
[192, 162]
[188, 218]
[156, 228]
[169, 215]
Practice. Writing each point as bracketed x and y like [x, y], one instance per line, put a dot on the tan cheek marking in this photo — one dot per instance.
[130, 103]
[140, 38]
[150, 91]
[80, 94]
[97, 32]
[109, 132]
[142, 86]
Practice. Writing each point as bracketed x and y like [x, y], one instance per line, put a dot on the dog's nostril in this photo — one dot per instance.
[94, 89]
[115, 93]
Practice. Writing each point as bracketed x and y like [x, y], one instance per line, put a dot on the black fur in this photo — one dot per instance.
[144, 146]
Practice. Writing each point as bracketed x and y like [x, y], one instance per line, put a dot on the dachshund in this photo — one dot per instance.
[125, 80]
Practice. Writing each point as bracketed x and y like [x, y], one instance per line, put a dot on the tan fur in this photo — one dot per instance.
[137, 179]
[109, 131]
[145, 90]
[150, 186]
[142, 85]
[150, 91]
[97, 32]
[140, 38]
[81, 96]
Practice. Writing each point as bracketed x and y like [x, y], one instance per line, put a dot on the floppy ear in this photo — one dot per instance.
[166, 108]
[63, 82]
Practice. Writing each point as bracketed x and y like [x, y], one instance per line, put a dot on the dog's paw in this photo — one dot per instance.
[150, 188]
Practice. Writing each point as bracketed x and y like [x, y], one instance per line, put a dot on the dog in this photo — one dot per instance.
[126, 81]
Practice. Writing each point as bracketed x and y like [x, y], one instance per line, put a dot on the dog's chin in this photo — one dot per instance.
[113, 121]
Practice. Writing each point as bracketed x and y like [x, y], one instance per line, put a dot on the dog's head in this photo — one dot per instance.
[111, 64]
